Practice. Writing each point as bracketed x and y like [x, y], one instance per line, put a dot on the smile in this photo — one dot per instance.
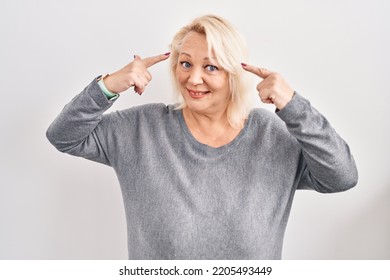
[197, 93]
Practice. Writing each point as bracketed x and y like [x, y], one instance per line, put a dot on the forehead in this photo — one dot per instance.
[194, 41]
[195, 45]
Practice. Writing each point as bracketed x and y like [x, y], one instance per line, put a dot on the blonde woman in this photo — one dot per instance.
[209, 177]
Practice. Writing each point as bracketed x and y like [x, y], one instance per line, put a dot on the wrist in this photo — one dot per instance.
[101, 82]
[283, 101]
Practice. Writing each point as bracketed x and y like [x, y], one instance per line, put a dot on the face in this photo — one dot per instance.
[204, 85]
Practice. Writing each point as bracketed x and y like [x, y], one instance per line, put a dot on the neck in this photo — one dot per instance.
[210, 129]
[205, 121]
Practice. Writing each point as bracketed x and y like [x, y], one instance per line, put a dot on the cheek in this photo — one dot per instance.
[218, 83]
[180, 76]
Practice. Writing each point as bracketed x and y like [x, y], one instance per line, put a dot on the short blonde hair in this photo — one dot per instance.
[230, 51]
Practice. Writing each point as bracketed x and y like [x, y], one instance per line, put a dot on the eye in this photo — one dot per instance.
[185, 64]
[211, 68]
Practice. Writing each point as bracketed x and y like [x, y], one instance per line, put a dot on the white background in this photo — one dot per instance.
[54, 206]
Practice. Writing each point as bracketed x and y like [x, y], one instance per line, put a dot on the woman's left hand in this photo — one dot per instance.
[273, 88]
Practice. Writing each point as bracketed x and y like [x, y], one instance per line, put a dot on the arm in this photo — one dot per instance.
[74, 131]
[327, 163]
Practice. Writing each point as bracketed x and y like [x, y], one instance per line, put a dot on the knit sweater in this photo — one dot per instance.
[186, 200]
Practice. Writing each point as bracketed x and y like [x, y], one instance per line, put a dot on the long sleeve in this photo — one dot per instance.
[186, 200]
[328, 163]
[73, 131]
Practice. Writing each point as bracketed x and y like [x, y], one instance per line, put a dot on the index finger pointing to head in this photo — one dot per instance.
[150, 61]
[261, 72]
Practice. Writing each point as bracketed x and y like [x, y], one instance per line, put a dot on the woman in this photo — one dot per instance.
[208, 177]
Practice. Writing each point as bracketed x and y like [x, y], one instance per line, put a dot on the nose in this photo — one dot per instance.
[195, 77]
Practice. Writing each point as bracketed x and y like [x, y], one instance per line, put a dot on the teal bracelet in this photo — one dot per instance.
[109, 94]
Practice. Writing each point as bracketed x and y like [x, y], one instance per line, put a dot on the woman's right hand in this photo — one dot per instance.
[135, 74]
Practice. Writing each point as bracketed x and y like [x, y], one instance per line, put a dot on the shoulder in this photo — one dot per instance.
[148, 113]
[263, 122]
[263, 117]
[267, 127]
[146, 110]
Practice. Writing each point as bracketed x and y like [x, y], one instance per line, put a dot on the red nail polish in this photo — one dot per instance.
[168, 53]
[243, 64]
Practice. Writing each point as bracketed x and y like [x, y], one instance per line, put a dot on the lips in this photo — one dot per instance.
[197, 93]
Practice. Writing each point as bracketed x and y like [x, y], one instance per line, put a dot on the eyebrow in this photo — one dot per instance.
[206, 58]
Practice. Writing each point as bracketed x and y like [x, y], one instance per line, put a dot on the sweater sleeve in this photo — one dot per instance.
[328, 165]
[73, 131]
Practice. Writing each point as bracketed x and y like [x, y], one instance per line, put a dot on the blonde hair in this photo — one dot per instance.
[230, 51]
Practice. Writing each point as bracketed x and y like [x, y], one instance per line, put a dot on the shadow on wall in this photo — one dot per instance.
[369, 229]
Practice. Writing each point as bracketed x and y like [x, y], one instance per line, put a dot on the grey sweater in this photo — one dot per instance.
[187, 200]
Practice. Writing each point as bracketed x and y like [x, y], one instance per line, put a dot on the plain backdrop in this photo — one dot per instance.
[54, 206]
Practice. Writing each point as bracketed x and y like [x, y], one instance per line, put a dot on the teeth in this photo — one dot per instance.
[198, 93]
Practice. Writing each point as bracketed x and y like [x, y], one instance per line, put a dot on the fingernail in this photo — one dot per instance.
[243, 64]
[168, 53]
